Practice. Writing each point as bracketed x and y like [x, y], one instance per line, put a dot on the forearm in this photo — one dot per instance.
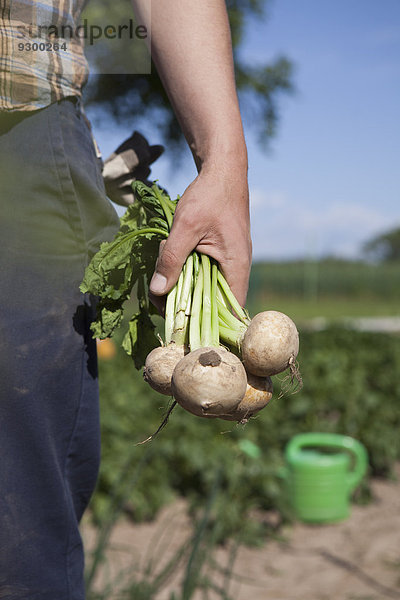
[191, 48]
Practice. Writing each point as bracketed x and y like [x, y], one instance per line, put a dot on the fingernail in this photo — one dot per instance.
[158, 283]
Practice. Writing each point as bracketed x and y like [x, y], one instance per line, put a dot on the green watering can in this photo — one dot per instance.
[322, 470]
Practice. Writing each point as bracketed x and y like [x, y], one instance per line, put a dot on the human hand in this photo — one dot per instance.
[211, 217]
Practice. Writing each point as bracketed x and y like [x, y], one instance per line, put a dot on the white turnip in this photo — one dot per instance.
[160, 365]
[258, 394]
[270, 344]
[209, 382]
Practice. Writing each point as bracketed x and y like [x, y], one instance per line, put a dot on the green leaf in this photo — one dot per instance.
[130, 218]
[109, 317]
[140, 338]
[129, 259]
[148, 199]
[99, 274]
[158, 222]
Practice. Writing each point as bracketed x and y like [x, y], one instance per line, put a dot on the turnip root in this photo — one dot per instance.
[209, 382]
[270, 344]
[258, 394]
[160, 365]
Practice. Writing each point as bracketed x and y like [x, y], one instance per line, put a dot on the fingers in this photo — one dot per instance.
[238, 281]
[181, 241]
[234, 254]
[237, 272]
[172, 255]
[205, 221]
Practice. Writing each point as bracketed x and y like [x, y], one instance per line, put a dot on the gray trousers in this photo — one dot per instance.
[53, 216]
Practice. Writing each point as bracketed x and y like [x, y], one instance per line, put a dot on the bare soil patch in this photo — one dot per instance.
[357, 559]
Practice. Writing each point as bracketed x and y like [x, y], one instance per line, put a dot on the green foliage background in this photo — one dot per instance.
[351, 386]
[127, 98]
[385, 246]
[328, 278]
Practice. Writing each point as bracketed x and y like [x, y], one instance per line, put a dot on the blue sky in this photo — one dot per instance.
[330, 178]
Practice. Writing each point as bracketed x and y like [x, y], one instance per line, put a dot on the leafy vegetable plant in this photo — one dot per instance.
[230, 381]
[127, 261]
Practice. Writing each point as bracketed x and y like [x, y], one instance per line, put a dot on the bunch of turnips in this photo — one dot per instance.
[214, 360]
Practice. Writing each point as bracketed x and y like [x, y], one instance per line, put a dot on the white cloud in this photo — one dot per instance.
[284, 228]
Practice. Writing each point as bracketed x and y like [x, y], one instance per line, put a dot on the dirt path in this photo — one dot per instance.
[358, 559]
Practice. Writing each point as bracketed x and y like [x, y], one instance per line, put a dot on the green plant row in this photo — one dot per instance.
[351, 386]
[310, 279]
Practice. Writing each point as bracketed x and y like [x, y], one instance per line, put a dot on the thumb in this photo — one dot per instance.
[173, 253]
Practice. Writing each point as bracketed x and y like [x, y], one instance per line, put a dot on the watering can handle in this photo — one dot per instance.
[333, 440]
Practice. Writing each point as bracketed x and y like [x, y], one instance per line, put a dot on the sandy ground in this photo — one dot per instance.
[358, 559]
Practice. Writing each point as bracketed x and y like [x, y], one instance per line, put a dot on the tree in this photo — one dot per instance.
[128, 96]
[384, 247]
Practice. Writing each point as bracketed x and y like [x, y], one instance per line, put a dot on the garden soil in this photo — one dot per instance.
[357, 559]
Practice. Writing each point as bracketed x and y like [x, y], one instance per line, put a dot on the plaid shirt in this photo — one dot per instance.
[41, 57]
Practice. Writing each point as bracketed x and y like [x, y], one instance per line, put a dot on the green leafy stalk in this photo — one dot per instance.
[179, 285]
[170, 314]
[229, 336]
[221, 298]
[206, 321]
[196, 264]
[230, 320]
[214, 305]
[128, 237]
[187, 316]
[165, 205]
[196, 313]
[232, 300]
[180, 324]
